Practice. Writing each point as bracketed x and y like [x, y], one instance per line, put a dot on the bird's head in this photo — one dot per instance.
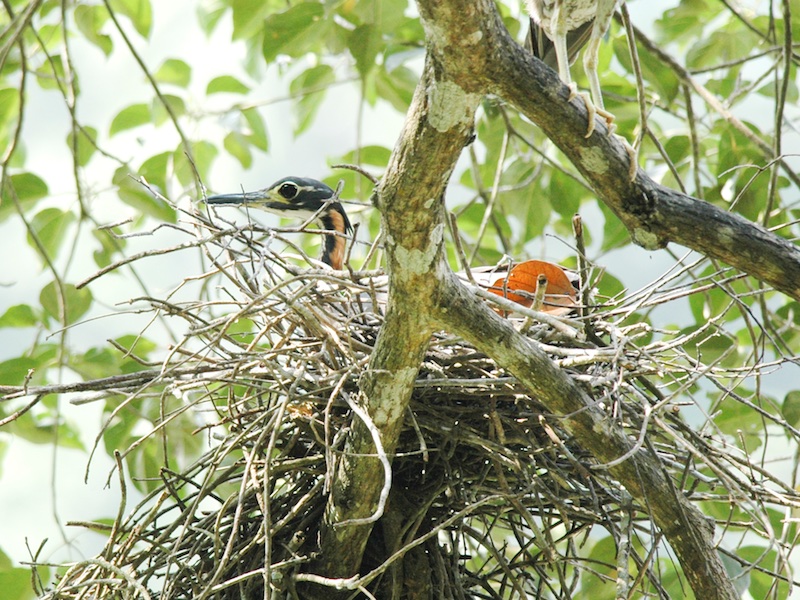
[303, 198]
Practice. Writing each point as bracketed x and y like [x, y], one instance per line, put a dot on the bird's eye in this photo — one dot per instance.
[288, 190]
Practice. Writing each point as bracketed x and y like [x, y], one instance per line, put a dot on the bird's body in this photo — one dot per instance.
[559, 28]
[304, 198]
[574, 12]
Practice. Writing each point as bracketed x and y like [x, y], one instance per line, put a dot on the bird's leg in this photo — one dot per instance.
[605, 10]
[597, 106]
[558, 21]
[633, 157]
[602, 19]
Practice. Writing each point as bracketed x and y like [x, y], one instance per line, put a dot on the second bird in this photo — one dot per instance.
[560, 28]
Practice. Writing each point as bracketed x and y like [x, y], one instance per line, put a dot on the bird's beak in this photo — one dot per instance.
[260, 199]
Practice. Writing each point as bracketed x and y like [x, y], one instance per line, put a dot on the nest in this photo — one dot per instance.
[489, 497]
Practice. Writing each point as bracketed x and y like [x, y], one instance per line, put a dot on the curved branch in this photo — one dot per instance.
[409, 199]
[640, 471]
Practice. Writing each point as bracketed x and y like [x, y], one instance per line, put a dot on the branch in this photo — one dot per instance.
[653, 214]
[468, 44]
[640, 471]
[438, 125]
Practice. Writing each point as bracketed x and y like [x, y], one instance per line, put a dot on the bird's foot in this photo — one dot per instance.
[633, 158]
[573, 91]
[592, 111]
[609, 118]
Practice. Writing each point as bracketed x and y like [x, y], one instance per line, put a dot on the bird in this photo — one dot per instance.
[559, 29]
[304, 198]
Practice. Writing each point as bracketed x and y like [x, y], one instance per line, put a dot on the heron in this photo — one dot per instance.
[304, 198]
[559, 29]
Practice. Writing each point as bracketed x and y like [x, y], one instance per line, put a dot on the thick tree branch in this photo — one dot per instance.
[438, 125]
[653, 214]
[640, 472]
[468, 39]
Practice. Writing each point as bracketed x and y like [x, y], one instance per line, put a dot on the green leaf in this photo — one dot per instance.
[29, 189]
[129, 117]
[86, 144]
[203, 154]
[249, 15]
[740, 422]
[792, 92]
[237, 146]
[709, 345]
[656, 74]
[138, 11]
[708, 304]
[154, 170]
[310, 85]
[762, 583]
[565, 193]
[90, 20]
[364, 43]
[19, 315]
[51, 226]
[609, 286]
[160, 113]
[145, 465]
[257, 132]
[614, 233]
[96, 363]
[289, 32]
[226, 84]
[14, 581]
[679, 149]
[134, 194]
[600, 580]
[109, 246]
[791, 408]
[175, 72]
[47, 427]
[119, 433]
[516, 201]
[137, 344]
[9, 106]
[727, 44]
[14, 371]
[51, 72]
[51, 35]
[396, 86]
[367, 155]
[76, 302]
[209, 15]
[243, 330]
[388, 16]
[686, 21]
[735, 150]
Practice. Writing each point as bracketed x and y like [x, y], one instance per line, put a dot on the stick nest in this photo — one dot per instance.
[489, 498]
